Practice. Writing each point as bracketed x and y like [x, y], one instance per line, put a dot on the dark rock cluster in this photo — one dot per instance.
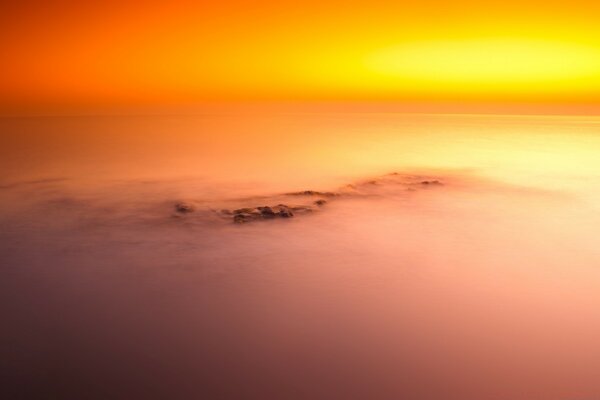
[313, 193]
[243, 215]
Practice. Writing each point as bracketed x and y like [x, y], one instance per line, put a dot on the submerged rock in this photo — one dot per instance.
[184, 208]
[243, 218]
[313, 193]
[302, 209]
[243, 210]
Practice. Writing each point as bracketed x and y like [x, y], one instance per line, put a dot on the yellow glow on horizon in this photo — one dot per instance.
[94, 55]
[482, 64]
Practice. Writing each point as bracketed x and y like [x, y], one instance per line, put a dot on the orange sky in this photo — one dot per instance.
[67, 55]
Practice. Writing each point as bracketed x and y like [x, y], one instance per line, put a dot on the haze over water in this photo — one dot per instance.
[485, 287]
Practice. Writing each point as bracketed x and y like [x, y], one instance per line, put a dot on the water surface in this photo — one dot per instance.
[485, 287]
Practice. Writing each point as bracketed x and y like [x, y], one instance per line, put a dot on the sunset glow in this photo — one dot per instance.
[70, 54]
[497, 65]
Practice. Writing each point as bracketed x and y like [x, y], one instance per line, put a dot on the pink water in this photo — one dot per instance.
[485, 287]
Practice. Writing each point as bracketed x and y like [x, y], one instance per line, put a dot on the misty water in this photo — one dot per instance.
[482, 287]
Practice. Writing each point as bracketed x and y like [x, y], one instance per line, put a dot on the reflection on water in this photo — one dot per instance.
[482, 288]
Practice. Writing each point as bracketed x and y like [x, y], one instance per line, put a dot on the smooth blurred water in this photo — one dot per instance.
[483, 288]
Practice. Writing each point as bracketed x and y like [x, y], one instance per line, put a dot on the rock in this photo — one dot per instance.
[243, 218]
[243, 210]
[431, 183]
[184, 208]
[248, 214]
[320, 202]
[266, 212]
[312, 193]
[285, 212]
[301, 209]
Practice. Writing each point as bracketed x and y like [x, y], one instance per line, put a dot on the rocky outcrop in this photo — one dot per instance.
[382, 186]
[249, 214]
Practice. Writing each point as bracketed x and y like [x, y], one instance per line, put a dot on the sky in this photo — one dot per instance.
[71, 55]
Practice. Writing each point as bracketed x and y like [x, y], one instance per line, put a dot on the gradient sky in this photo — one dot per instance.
[69, 54]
